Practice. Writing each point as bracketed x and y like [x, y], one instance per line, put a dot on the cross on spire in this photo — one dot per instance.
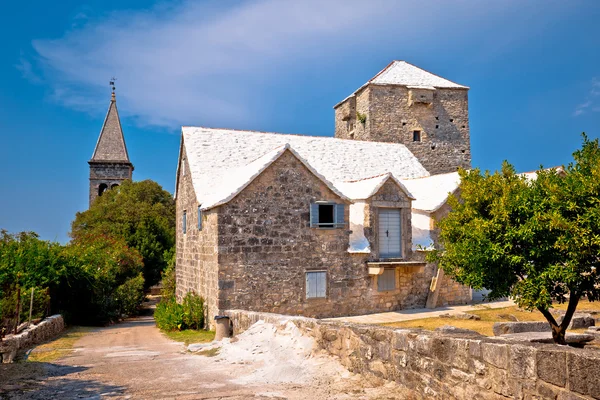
[112, 85]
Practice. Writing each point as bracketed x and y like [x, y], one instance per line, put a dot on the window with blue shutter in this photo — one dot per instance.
[327, 215]
[316, 284]
[184, 225]
[199, 219]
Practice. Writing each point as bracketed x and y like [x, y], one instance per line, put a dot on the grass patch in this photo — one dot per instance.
[484, 326]
[582, 306]
[59, 347]
[190, 336]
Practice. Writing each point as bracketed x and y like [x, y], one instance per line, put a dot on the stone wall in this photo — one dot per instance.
[35, 334]
[450, 366]
[393, 117]
[196, 263]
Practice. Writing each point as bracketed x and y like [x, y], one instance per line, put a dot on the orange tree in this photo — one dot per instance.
[535, 240]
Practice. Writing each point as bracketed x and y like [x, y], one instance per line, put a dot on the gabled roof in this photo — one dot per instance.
[111, 143]
[216, 156]
[432, 191]
[405, 74]
[365, 188]
[233, 181]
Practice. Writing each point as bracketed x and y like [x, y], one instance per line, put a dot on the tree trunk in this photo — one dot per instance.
[559, 331]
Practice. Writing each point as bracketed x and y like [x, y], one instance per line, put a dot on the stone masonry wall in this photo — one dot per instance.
[33, 335]
[196, 264]
[450, 366]
[266, 246]
[392, 117]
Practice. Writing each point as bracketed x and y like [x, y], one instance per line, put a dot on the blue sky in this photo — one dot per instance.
[271, 65]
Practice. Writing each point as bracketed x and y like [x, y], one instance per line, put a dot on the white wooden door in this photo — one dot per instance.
[390, 238]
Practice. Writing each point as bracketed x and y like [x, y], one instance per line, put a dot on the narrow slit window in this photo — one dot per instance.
[416, 136]
[184, 222]
[199, 219]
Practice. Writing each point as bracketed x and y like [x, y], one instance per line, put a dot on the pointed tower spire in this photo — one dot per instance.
[110, 164]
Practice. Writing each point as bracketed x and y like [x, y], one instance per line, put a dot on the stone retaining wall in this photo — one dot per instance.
[31, 336]
[450, 365]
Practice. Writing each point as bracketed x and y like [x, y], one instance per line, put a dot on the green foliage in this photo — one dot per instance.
[168, 280]
[170, 315]
[93, 280]
[534, 240]
[130, 295]
[362, 118]
[141, 213]
[193, 311]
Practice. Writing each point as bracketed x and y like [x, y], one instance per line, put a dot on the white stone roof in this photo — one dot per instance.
[405, 74]
[233, 181]
[221, 159]
[432, 191]
[365, 188]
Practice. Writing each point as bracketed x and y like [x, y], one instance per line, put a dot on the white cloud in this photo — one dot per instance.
[591, 103]
[201, 63]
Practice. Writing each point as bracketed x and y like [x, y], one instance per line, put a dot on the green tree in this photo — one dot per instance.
[537, 241]
[141, 213]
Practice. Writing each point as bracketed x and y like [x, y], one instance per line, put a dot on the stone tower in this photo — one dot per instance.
[406, 104]
[110, 164]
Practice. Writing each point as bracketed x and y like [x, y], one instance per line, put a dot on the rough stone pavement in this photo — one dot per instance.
[420, 313]
[134, 360]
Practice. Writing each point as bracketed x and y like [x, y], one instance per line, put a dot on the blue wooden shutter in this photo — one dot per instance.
[199, 219]
[339, 216]
[314, 215]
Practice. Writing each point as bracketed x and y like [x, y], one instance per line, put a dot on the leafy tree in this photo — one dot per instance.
[141, 213]
[537, 241]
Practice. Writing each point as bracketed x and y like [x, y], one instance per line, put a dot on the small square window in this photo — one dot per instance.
[416, 136]
[387, 280]
[326, 215]
[316, 284]
[184, 222]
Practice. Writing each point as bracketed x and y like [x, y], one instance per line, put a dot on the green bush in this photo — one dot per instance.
[193, 311]
[130, 295]
[168, 281]
[171, 316]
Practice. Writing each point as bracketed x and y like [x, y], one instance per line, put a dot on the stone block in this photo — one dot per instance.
[495, 354]
[552, 367]
[521, 362]
[547, 391]
[584, 373]
[503, 328]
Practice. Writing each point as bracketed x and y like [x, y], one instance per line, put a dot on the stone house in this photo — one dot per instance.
[320, 226]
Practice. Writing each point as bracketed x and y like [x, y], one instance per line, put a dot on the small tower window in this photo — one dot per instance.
[199, 218]
[102, 188]
[416, 136]
[184, 222]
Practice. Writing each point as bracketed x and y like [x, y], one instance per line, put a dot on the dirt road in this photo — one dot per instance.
[134, 360]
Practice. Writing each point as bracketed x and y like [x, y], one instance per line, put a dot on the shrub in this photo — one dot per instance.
[169, 281]
[130, 295]
[171, 316]
[193, 311]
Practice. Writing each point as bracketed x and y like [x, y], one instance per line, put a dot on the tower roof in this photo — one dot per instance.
[111, 143]
[403, 73]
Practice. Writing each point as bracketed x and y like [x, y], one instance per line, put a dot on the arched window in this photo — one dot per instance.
[102, 188]
[114, 185]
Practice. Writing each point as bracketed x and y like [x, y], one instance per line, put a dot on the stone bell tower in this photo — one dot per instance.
[110, 164]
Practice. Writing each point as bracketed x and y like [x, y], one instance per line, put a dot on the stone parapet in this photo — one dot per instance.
[35, 334]
[450, 365]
